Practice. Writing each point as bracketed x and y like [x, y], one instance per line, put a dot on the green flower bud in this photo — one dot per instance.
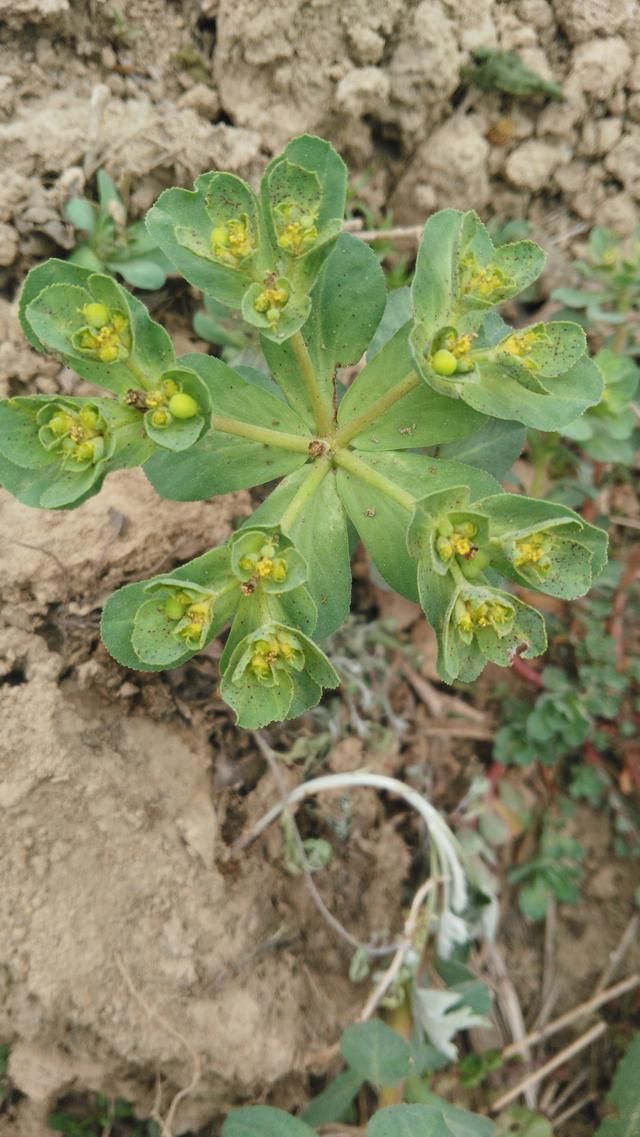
[61, 424]
[160, 419]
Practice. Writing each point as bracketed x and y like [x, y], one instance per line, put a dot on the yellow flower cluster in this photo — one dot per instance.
[197, 613]
[270, 651]
[107, 336]
[81, 434]
[533, 550]
[458, 543]
[486, 614]
[297, 231]
[271, 301]
[232, 242]
[265, 565]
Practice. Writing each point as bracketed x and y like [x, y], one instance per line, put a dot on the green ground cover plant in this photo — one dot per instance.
[406, 458]
[113, 244]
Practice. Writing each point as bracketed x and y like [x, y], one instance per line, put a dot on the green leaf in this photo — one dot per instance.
[220, 463]
[138, 272]
[182, 223]
[493, 447]
[273, 674]
[573, 297]
[420, 418]
[565, 396]
[624, 1096]
[461, 1122]
[376, 1053]
[333, 1102]
[348, 300]
[320, 533]
[494, 70]
[438, 1120]
[116, 627]
[264, 1121]
[533, 899]
[28, 486]
[543, 545]
[397, 313]
[50, 315]
[382, 525]
[82, 214]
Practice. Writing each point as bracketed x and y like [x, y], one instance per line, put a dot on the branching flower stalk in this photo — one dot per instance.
[443, 375]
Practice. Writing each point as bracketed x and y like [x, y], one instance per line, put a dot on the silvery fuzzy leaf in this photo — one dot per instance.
[441, 1016]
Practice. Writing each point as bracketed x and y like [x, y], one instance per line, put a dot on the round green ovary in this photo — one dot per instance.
[183, 406]
[444, 362]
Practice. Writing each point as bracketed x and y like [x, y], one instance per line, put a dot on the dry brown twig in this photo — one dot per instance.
[166, 1123]
[629, 937]
[392, 971]
[509, 1003]
[558, 1059]
[579, 1012]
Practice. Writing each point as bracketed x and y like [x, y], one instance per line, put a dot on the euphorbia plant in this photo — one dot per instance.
[405, 458]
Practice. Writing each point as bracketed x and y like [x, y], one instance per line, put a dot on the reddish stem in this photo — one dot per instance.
[526, 672]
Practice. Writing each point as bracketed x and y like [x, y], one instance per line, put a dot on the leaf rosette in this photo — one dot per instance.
[545, 546]
[445, 530]
[177, 411]
[478, 624]
[176, 618]
[275, 673]
[461, 348]
[94, 325]
[55, 452]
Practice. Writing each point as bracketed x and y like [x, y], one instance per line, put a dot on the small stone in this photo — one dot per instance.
[624, 161]
[363, 91]
[367, 45]
[582, 19]
[202, 99]
[9, 244]
[599, 68]
[532, 165]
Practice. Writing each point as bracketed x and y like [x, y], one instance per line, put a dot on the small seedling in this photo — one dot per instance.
[448, 373]
[493, 70]
[112, 245]
[555, 871]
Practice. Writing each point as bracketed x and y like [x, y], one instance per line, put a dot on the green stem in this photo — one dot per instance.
[540, 454]
[457, 574]
[316, 474]
[349, 461]
[378, 408]
[623, 306]
[262, 434]
[321, 410]
[140, 376]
